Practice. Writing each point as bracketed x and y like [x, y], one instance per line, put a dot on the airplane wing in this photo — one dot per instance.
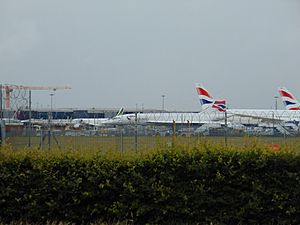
[197, 122]
[263, 119]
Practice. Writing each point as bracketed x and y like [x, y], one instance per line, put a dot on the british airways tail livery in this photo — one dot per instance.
[220, 105]
[207, 101]
[256, 118]
[288, 99]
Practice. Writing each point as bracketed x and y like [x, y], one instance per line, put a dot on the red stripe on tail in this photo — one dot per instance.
[285, 94]
[202, 91]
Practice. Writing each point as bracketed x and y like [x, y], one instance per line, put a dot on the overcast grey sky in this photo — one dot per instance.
[126, 52]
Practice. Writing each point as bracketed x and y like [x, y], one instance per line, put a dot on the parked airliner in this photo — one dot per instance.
[289, 115]
[282, 120]
[213, 111]
[94, 121]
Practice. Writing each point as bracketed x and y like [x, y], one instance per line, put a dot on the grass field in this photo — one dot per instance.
[141, 143]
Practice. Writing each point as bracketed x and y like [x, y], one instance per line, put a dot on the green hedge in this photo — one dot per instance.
[179, 187]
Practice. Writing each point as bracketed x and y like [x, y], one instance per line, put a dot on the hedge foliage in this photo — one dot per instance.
[171, 186]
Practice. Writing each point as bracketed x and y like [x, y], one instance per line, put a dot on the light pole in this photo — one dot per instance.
[1, 108]
[2, 128]
[273, 114]
[51, 104]
[50, 121]
[276, 97]
[226, 125]
[29, 124]
[136, 129]
[163, 102]
[94, 118]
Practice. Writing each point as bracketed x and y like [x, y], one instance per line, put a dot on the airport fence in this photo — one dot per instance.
[137, 137]
[125, 138]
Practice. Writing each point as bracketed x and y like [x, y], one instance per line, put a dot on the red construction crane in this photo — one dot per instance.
[8, 88]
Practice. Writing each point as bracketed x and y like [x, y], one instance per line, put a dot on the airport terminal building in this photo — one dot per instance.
[70, 113]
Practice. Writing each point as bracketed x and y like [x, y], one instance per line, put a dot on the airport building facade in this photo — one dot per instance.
[65, 113]
[68, 113]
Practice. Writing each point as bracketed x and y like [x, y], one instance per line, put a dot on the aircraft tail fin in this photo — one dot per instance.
[220, 105]
[207, 101]
[288, 99]
[121, 111]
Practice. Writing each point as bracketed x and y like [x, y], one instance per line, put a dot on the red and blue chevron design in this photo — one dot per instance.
[288, 99]
[220, 105]
[207, 101]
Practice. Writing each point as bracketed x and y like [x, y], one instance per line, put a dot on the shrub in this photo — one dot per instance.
[203, 185]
